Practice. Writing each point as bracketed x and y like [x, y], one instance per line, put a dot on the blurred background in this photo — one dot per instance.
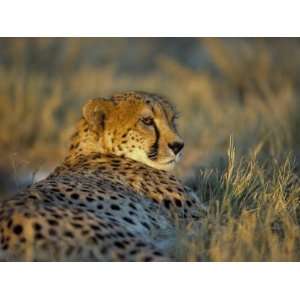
[239, 87]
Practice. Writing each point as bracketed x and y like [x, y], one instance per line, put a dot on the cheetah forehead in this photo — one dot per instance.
[140, 99]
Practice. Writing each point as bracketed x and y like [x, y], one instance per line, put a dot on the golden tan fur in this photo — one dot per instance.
[115, 126]
[109, 200]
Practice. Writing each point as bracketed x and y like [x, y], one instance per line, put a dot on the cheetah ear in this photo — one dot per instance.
[95, 113]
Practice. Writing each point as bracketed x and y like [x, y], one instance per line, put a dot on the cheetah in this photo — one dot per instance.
[114, 197]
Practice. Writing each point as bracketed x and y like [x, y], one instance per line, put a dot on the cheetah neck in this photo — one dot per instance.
[158, 185]
[85, 142]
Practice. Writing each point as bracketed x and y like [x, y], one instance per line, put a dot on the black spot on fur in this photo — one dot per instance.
[37, 226]
[52, 222]
[18, 229]
[90, 199]
[69, 234]
[99, 206]
[167, 203]
[148, 259]
[178, 203]
[39, 236]
[128, 220]
[146, 225]
[74, 196]
[115, 207]
[119, 245]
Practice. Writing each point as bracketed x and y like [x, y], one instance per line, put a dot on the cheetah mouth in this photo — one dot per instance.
[169, 162]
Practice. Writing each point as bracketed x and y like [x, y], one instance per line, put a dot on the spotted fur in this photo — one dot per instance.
[113, 198]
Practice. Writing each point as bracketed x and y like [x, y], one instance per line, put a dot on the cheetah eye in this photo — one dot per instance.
[148, 121]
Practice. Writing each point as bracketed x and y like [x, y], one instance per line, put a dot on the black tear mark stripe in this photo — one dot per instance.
[154, 148]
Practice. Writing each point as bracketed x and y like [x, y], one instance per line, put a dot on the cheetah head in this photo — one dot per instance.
[136, 125]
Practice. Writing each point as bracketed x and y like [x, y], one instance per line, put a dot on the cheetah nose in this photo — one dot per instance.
[176, 147]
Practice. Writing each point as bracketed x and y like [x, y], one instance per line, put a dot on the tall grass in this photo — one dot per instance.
[252, 212]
